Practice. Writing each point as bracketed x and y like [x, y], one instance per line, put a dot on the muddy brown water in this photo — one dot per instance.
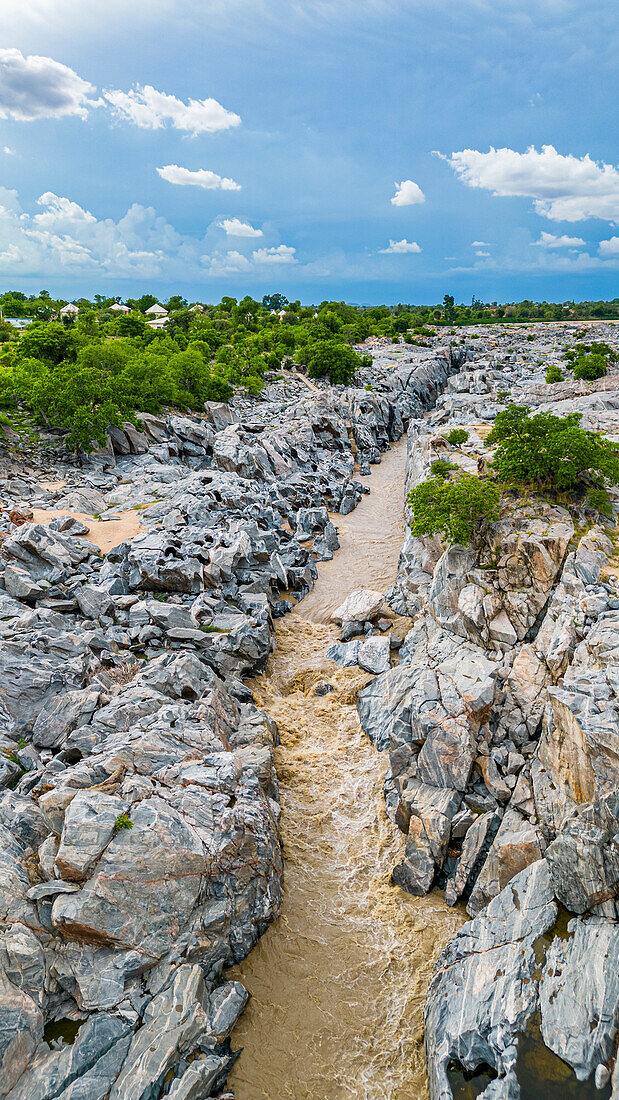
[338, 981]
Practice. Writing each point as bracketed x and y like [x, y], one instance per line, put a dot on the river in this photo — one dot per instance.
[338, 982]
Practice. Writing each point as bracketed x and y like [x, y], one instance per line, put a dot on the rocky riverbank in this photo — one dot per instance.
[501, 722]
[139, 810]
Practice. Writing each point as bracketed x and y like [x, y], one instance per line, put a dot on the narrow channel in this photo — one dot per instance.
[338, 982]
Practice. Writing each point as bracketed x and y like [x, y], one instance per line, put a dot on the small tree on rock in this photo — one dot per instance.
[459, 510]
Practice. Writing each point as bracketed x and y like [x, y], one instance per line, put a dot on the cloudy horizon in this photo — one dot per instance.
[380, 151]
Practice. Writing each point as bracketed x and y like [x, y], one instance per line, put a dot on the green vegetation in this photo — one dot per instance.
[543, 453]
[590, 367]
[549, 452]
[123, 821]
[102, 367]
[441, 468]
[553, 374]
[457, 436]
[458, 510]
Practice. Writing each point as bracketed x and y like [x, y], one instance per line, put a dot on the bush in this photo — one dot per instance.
[553, 374]
[441, 468]
[590, 367]
[550, 452]
[457, 436]
[600, 501]
[338, 361]
[458, 510]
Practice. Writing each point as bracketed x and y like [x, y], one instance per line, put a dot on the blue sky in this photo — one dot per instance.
[130, 135]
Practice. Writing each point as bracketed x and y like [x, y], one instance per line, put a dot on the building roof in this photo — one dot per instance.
[70, 308]
[157, 322]
[120, 308]
[156, 311]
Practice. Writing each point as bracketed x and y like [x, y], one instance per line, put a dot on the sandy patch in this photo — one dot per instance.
[104, 533]
[52, 485]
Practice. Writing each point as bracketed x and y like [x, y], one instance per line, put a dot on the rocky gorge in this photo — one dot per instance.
[140, 812]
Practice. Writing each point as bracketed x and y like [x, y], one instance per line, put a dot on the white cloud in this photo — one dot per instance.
[564, 188]
[480, 252]
[610, 247]
[11, 255]
[548, 240]
[227, 263]
[59, 235]
[401, 246]
[282, 254]
[8, 152]
[150, 109]
[479, 244]
[234, 227]
[201, 177]
[407, 193]
[60, 210]
[39, 87]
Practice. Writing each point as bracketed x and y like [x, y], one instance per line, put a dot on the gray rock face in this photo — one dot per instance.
[579, 995]
[529, 751]
[483, 991]
[139, 848]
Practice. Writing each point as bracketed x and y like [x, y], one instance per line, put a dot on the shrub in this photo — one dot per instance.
[550, 452]
[441, 468]
[457, 436]
[600, 500]
[458, 510]
[338, 361]
[123, 821]
[590, 367]
[553, 373]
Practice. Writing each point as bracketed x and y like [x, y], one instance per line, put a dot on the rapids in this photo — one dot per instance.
[338, 982]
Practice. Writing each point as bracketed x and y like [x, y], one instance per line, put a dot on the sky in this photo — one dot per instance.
[368, 150]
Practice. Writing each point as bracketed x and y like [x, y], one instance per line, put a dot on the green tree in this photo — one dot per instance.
[550, 452]
[448, 308]
[458, 510]
[49, 341]
[338, 361]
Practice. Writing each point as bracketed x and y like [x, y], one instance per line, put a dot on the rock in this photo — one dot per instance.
[517, 845]
[482, 992]
[501, 630]
[89, 825]
[94, 602]
[374, 655]
[416, 871]
[579, 995]
[360, 605]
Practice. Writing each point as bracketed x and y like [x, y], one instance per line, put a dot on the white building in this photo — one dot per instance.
[118, 307]
[158, 322]
[156, 311]
[70, 310]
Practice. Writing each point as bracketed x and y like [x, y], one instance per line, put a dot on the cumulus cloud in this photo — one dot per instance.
[10, 256]
[479, 244]
[407, 193]
[201, 177]
[61, 235]
[480, 252]
[59, 209]
[564, 188]
[151, 110]
[548, 240]
[234, 227]
[401, 246]
[8, 152]
[282, 254]
[38, 87]
[610, 247]
[227, 263]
